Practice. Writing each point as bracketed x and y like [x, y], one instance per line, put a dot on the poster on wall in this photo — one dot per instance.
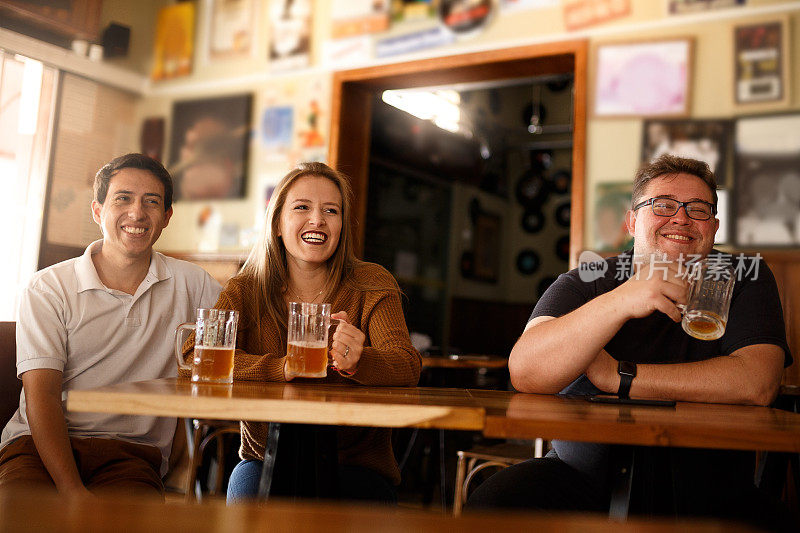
[232, 28]
[706, 140]
[358, 17]
[290, 34]
[276, 129]
[767, 193]
[649, 78]
[580, 14]
[412, 10]
[209, 147]
[613, 200]
[293, 122]
[508, 6]
[693, 6]
[174, 42]
[760, 63]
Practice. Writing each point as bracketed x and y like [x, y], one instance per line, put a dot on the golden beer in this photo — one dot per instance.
[213, 364]
[308, 359]
[704, 325]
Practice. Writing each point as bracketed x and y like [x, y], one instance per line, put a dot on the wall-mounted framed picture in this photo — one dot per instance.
[694, 6]
[173, 49]
[209, 147]
[643, 78]
[232, 28]
[612, 202]
[766, 202]
[706, 140]
[289, 34]
[761, 62]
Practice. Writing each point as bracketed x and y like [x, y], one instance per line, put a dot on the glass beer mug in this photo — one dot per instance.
[214, 345]
[705, 314]
[307, 340]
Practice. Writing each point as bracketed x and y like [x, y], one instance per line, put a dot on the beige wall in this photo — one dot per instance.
[613, 145]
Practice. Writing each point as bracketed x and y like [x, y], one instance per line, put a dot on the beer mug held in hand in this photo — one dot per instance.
[214, 345]
[307, 340]
[705, 314]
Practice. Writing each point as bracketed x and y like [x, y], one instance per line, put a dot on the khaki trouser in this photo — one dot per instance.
[105, 466]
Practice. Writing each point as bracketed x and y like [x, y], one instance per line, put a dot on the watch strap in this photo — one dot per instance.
[626, 371]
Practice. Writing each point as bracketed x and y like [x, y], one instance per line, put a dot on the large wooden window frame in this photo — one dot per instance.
[353, 92]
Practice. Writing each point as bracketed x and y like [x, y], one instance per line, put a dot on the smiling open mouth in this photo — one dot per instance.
[314, 237]
[133, 231]
[674, 237]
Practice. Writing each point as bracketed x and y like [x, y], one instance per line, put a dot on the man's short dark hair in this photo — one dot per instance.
[666, 165]
[141, 161]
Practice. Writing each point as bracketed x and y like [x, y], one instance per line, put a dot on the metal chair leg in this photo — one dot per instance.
[622, 465]
[270, 450]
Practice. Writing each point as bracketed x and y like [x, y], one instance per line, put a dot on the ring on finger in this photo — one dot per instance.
[346, 350]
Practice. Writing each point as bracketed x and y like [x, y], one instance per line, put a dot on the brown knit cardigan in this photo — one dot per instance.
[388, 359]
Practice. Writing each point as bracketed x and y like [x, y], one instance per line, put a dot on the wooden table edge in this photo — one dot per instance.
[280, 410]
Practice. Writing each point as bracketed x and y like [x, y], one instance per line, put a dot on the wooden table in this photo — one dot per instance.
[34, 512]
[498, 414]
[691, 425]
[464, 361]
[301, 403]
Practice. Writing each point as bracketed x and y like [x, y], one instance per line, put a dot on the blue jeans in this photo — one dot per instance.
[355, 483]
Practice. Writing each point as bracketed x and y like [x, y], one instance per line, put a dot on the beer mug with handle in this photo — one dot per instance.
[214, 345]
[307, 340]
[705, 314]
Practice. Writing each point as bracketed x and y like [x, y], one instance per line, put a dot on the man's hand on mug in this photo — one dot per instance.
[654, 287]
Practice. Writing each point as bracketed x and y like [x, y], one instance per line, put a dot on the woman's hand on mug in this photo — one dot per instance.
[347, 345]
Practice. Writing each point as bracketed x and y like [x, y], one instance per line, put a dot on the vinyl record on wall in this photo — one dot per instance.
[465, 18]
[528, 262]
[533, 220]
[562, 248]
[544, 284]
[562, 214]
[532, 190]
[561, 180]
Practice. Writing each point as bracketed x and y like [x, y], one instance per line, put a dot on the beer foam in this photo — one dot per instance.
[309, 344]
[216, 348]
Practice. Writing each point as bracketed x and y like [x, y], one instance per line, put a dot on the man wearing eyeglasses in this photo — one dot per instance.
[619, 332]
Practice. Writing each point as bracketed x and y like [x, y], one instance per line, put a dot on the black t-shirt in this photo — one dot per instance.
[755, 317]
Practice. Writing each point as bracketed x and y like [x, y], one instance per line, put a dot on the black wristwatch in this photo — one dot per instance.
[626, 371]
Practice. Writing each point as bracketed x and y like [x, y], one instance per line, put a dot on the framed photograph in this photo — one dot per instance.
[612, 202]
[767, 189]
[579, 14]
[173, 49]
[649, 78]
[209, 147]
[694, 6]
[761, 62]
[706, 140]
[289, 34]
[232, 28]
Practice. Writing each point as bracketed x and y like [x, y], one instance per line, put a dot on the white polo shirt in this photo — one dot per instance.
[69, 321]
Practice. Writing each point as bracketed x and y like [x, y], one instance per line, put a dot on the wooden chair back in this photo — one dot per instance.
[10, 385]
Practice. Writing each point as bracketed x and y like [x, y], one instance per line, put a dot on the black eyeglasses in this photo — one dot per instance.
[667, 207]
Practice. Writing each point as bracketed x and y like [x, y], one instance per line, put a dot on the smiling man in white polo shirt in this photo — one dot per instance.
[106, 317]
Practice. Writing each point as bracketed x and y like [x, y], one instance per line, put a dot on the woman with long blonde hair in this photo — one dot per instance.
[306, 255]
